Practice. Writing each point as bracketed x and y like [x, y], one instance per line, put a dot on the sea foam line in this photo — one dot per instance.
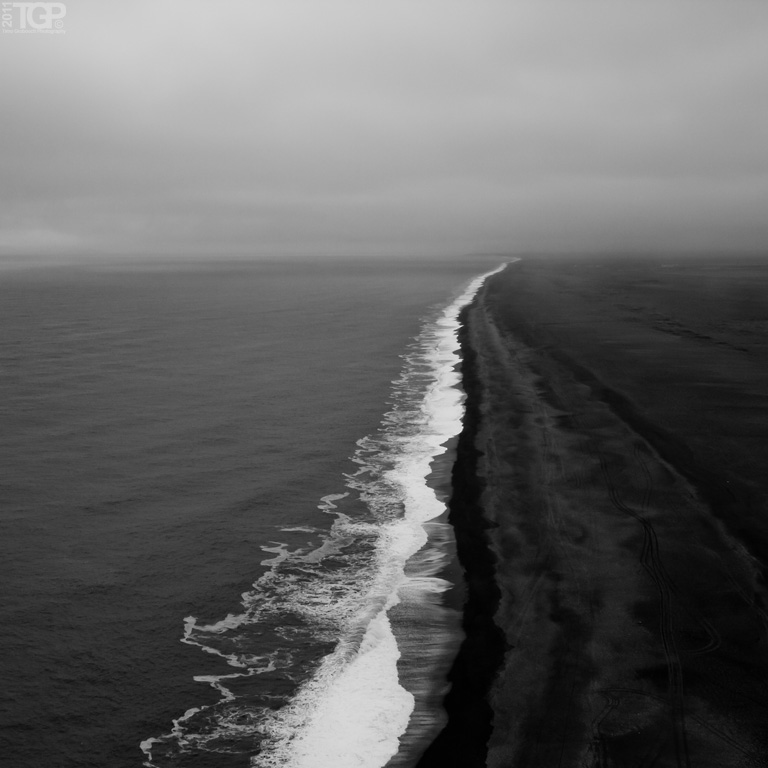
[352, 710]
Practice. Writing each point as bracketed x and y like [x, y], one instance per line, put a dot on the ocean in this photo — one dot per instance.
[222, 513]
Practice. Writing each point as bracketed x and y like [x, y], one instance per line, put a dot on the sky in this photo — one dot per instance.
[390, 128]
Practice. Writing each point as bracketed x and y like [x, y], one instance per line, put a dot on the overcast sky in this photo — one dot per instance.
[386, 127]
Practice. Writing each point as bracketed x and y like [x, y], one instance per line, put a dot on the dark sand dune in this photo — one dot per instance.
[617, 444]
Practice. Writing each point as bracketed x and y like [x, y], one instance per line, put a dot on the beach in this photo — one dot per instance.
[610, 512]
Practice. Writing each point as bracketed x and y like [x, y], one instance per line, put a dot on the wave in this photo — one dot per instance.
[316, 680]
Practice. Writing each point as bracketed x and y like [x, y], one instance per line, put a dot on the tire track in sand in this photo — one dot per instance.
[650, 559]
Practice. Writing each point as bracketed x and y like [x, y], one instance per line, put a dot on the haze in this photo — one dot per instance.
[398, 128]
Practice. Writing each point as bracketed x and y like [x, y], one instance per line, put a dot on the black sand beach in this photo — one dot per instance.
[611, 509]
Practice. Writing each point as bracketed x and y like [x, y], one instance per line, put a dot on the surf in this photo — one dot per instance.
[369, 590]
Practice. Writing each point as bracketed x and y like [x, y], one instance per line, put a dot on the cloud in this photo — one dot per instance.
[280, 127]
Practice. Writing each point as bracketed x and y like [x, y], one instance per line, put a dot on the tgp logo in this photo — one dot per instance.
[33, 17]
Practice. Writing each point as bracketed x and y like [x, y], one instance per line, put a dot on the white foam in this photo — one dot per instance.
[353, 711]
[327, 502]
[300, 529]
[280, 550]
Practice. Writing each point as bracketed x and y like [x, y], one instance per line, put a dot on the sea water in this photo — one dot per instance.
[223, 522]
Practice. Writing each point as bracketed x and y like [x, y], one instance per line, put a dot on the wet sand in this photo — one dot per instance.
[610, 505]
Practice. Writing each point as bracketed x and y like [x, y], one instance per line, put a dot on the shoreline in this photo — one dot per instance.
[609, 508]
[463, 740]
[429, 671]
[425, 668]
